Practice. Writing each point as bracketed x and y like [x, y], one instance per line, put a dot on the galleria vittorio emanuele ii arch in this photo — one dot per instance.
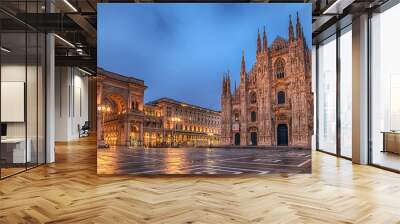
[120, 109]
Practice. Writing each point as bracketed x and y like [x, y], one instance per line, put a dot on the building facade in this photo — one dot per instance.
[120, 108]
[273, 104]
[124, 118]
[173, 123]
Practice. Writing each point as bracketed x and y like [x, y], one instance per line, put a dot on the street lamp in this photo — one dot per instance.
[103, 109]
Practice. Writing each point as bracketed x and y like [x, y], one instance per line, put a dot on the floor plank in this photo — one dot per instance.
[70, 191]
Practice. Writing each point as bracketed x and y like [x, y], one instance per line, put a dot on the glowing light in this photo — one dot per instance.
[70, 5]
[5, 50]
[64, 40]
[84, 71]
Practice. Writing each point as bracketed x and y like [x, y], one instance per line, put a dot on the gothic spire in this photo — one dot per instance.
[223, 85]
[243, 75]
[302, 34]
[258, 42]
[298, 27]
[228, 84]
[243, 68]
[291, 33]
[265, 40]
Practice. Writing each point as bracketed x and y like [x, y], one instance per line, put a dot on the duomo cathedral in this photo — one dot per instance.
[273, 104]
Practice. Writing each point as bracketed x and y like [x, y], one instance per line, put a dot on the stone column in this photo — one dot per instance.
[122, 127]
[141, 133]
[50, 92]
[50, 97]
[360, 90]
[99, 114]
[129, 107]
[92, 102]
[126, 130]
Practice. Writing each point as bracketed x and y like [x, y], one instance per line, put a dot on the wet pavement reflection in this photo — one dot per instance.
[204, 161]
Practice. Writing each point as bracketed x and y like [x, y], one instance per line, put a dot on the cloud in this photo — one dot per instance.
[181, 50]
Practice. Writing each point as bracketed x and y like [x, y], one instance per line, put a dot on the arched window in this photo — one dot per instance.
[280, 68]
[236, 116]
[135, 105]
[253, 98]
[253, 116]
[281, 97]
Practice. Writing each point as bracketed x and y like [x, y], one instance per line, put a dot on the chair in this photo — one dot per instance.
[84, 130]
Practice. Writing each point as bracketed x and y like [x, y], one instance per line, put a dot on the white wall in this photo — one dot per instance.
[16, 73]
[61, 103]
[314, 90]
[33, 126]
[10, 73]
[80, 112]
[71, 103]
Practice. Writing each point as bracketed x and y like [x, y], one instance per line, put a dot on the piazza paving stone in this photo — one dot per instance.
[203, 161]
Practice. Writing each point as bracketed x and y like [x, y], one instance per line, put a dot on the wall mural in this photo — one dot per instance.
[162, 108]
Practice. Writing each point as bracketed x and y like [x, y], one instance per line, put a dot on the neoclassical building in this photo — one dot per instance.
[170, 122]
[273, 104]
[120, 108]
[124, 118]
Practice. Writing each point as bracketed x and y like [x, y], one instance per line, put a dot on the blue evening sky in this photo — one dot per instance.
[182, 50]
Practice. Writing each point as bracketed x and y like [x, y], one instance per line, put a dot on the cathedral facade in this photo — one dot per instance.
[273, 104]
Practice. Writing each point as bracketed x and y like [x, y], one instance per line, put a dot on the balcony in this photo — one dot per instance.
[281, 107]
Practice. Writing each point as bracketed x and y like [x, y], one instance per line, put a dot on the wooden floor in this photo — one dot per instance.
[69, 191]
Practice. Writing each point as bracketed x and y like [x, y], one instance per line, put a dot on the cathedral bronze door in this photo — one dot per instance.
[282, 132]
[237, 139]
[253, 138]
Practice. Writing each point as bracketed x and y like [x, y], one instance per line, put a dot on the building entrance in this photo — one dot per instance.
[253, 138]
[282, 132]
[237, 139]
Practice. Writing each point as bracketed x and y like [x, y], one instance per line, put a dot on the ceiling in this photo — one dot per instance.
[75, 22]
[330, 15]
